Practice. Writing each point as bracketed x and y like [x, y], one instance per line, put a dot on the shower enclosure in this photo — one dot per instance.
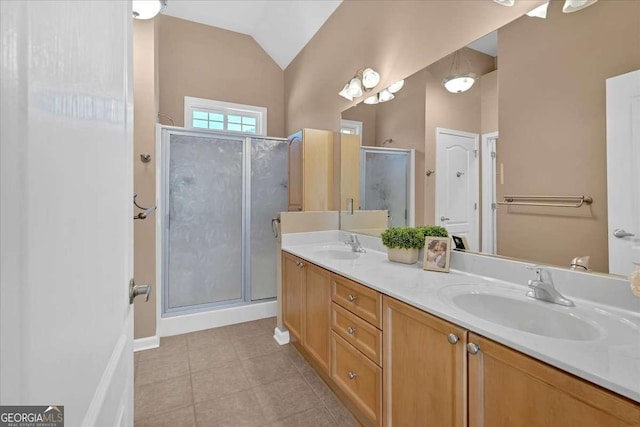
[387, 183]
[219, 193]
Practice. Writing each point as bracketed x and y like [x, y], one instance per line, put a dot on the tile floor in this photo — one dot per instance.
[231, 376]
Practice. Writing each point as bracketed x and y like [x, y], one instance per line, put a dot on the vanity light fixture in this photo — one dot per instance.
[457, 82]
[571, 6]
[363, 81]
[505, 2]
[147, 9]
[539, 12]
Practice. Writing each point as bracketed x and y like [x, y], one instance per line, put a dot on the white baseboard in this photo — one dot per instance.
[281, 336]
[146, 343]
[168, 326]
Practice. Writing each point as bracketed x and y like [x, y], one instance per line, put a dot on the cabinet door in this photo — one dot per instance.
[295, 184]
[424, 373]
[508, 388]
[316, 338]
[317, 170]
[292, 289]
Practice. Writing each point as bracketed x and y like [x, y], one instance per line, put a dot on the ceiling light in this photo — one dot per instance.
[385, 95]
[370, 78]
[343, 93]
[539, 12]
[354, 88]
[371, 100]
[460, 83]
[576, 5]
[457, 81]
[395, 87]
[505, 2]
[147, 9]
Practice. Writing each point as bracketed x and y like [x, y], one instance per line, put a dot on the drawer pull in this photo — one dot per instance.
[299, 264]
[351, 330]
[352, 375]
[473, 348]
[352, 297]
[452, 338]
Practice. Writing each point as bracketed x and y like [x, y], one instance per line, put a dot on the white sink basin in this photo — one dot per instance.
[529, 316]
[337, 252]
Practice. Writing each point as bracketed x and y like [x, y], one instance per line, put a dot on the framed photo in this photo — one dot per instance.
[460, 243]
[437, 254]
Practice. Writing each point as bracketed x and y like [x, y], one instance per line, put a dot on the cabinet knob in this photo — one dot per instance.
[299, 264]
[473, 348]
[352, 297]
[352, 375]
[351, 330]
[452, 338]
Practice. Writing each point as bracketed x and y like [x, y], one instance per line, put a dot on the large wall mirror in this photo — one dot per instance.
[533, 124]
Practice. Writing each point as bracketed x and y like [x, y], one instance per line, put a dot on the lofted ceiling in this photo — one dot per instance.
[281, 27]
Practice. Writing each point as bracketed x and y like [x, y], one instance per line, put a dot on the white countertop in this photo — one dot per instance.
[611, 361]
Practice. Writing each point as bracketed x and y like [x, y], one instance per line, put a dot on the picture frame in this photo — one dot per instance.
[460, 242]
[437, 254]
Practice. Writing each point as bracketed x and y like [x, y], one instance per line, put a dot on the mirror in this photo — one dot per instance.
[539, 104]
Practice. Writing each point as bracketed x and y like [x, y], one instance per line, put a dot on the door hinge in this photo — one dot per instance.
[475, 206]
[475, 153]
[494, 206]
[493, 154]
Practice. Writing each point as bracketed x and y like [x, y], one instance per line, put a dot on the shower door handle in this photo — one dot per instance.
[444, 218]
[135, 290]
[275, 224]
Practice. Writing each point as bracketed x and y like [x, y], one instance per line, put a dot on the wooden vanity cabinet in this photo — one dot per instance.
[424, 368]
[507, 387]
[311, 185]
[307, 306]
[396, 365]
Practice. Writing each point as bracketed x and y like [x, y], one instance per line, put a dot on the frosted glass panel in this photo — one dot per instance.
[385, 185]
[268, 197]
[205, 222]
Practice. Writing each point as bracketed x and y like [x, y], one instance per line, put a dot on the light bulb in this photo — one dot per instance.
[395, 87]
[354, 89]
[459, 83]
[539, 12]
[571, 6]
[371, 100]
[344, 93]
[370, 78]
[146, 9]
[385, 95]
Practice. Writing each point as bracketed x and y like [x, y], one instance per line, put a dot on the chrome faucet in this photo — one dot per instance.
[545, 290]
[355, 244]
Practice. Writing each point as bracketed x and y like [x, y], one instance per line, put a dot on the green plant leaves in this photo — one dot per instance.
[410, 237]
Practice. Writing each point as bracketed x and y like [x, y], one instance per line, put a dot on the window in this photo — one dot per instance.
[225, 116]
[351, 127]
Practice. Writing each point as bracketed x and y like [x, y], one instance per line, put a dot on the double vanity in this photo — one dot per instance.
[402, 346]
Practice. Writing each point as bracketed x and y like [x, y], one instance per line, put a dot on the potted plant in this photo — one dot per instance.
[403, 244]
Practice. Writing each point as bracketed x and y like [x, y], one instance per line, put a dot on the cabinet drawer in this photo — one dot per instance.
[357, 332]
[358, 299]
[358, 377]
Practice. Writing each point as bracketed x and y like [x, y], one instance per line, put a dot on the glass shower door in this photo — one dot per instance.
[205, 224]
[384, 183]
[269, 166]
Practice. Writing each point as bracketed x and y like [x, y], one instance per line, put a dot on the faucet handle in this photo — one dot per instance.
[537, 269]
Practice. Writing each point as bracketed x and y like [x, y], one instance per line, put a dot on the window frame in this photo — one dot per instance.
[351, 124]
[192, 104]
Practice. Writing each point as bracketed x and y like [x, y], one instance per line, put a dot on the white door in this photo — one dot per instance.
[489, 240]
[623, 171]
[66, 210]
[457, 183]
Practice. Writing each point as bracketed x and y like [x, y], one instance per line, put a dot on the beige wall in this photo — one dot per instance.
[207, 62]
[552, 125]
[145, 108]
[489, 102]
[397, 38]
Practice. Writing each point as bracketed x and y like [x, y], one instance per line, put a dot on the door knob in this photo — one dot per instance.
[135, 290]
[620, 233]
[444, 218]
